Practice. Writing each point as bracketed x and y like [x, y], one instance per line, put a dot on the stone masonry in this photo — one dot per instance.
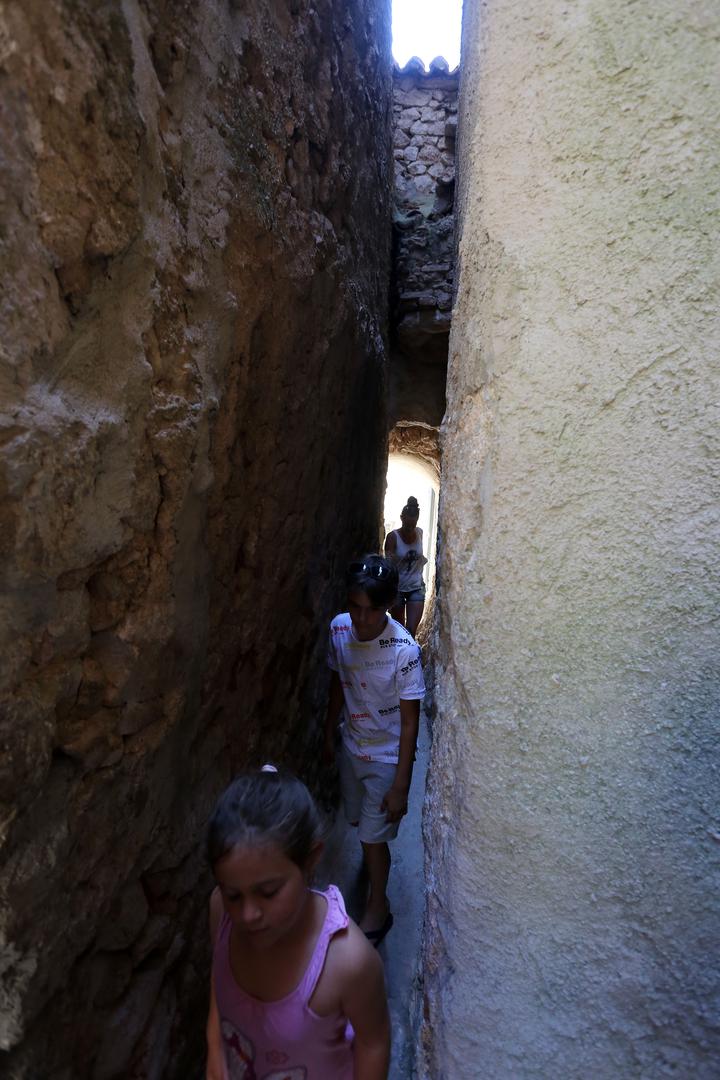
[425, 108]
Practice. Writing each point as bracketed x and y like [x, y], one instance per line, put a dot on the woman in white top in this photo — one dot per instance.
[405, 547]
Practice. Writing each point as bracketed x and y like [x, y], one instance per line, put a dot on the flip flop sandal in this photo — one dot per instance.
[375, 937]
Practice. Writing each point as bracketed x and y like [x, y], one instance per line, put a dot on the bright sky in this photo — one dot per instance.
[427, 28]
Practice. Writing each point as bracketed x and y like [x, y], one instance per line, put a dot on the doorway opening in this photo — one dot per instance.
[409, 474]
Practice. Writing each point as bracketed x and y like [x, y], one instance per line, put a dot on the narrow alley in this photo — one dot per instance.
[401, 949]
[255, 258]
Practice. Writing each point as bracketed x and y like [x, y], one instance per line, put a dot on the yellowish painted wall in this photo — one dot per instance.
[572, 817]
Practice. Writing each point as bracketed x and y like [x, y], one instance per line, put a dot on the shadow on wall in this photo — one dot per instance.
[164, 602]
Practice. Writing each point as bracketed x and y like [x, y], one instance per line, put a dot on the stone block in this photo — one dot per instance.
[414, 69]
[423, 186]
[414, 97]
[418, 238]
[447, 83]
[427, 300]
[410, 114]
[429, 153]
[417, 168]
[409, 299]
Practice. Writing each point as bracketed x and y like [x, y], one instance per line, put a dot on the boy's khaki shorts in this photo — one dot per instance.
[363, 785]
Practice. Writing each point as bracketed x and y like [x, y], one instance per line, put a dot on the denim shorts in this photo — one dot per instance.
[363, 785]
[414, 596]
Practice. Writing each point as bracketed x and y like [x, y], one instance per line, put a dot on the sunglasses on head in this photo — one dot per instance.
[375, 570]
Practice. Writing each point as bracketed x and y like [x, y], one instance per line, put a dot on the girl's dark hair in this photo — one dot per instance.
[411, 507]
[376, 576]
[265, 808]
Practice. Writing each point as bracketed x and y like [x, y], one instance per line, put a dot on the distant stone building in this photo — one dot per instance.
[424, 123]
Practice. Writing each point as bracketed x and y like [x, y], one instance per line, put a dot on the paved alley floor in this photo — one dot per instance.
[400, 949]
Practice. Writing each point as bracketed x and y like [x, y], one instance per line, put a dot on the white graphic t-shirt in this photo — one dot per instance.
[374, 676]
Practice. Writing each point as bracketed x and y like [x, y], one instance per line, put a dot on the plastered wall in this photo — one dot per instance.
[572, 818]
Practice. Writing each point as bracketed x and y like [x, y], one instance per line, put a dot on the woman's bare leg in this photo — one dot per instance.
[397, 612]
[414, 615]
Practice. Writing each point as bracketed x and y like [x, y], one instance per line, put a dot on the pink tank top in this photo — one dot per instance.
[285, 1039]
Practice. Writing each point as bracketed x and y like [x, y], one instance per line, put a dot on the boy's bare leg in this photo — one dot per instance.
[377, 860]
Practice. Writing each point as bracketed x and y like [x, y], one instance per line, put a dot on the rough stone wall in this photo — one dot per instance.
[196, 223]
[572, 816]
[417, 441]
[425, 121]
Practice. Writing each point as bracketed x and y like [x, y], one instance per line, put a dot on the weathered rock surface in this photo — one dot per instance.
[196, 222]
[424, 118]
[417, 440]
[572, 809]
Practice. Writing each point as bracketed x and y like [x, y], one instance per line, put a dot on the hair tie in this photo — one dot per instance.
[268, 768]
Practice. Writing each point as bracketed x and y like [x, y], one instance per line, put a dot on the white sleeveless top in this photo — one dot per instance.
[409, 561]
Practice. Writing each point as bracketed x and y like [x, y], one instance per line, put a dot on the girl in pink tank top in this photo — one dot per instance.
[297, 991]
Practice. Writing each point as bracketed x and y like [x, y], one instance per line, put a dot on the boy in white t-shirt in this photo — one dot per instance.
[377, 685]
